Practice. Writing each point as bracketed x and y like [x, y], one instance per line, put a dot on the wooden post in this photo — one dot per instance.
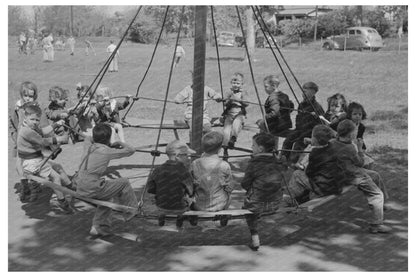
[199, 77]
[72, 20]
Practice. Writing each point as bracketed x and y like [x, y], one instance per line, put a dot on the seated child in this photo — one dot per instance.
[337, 110]
[235, 110]
[185, 96]
[30, 141]
[263, 181]
[90, 181]
[357, 114]
[368, 181]
[212, 176]
[108, 110]
[171, 182]
[306, 119]
[85, 110]
[277, 107]
[323, 174]
[57, 110]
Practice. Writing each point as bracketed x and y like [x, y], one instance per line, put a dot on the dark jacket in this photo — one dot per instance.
[263, 179]
[325, 171]
[360, 133]
[170, 182]
[350, 161]
[114, 115]
[278, 108]
[304, 119]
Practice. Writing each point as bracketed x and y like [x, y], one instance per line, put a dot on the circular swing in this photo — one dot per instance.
[193, 216]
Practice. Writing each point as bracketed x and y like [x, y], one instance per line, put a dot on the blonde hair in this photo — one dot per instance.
[272, 80]
[27, 86]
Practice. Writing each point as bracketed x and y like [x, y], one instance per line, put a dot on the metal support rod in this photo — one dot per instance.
[198, 77]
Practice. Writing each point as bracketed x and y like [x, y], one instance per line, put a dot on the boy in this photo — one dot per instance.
[179, 53]
[235, 110]
[90, 182]
[212, 176]
[30, 141]
[306, 119]
[323, 174]
[263, 182]
[171, 183]
[368, 181]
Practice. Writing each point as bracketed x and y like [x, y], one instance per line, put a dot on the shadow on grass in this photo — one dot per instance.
[333, 237]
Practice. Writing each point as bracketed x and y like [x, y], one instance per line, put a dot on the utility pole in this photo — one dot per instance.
[72, 20]
[199, 77]
[316, 24]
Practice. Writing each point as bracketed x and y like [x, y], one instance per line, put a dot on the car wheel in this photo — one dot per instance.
[375, 49]
[327, 46]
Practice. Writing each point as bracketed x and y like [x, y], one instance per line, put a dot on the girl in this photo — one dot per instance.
[277, 106]
[108, 110]
[85, 112]
[357, 114]
[56, 109]
[336, 112]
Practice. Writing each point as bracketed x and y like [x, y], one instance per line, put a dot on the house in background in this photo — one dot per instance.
[297, 12]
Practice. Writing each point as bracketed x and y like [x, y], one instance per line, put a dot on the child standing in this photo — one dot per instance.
[179, 53]
[212, 176]
[30, 141]
[235, 110]
[337, 110]
[108, 110]
[277, 107]
[306, 119]
[98, 152]
[263, 182]
[114, 62]
[171, 183]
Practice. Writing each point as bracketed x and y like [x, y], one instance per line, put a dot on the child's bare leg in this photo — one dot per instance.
[63, 176]
[120, 131]
[56, 178]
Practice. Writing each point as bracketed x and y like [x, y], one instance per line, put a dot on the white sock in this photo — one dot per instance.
[255, 240]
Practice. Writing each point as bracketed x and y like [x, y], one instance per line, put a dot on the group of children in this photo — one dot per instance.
[337, 157]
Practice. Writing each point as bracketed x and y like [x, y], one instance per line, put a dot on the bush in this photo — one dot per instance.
[143, 32]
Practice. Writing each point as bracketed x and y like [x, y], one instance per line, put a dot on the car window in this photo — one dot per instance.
[351, 32]
[358, 32]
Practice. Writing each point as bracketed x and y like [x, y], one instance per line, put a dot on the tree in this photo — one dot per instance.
[332, 23]
[17, 20]
[298, 28]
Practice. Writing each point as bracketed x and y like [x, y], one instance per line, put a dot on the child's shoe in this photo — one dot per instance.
[64, 205]
[379, 228]
[100, 231]
[255, 242]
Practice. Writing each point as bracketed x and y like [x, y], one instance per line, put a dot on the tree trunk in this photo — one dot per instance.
[250, 36]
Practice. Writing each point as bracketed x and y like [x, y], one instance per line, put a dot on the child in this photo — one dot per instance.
[263, 182]
[212, 176]
[235, 110]
[323, 174]
[98, 152]
[57, 110]
[277, 106]
[30, 141]
[88, 46]
[85, 112]
[306, 119]
[186, 96]
[356, 113]
[336, 112]
[171, 182]
[114, 62]
[108, 110]
[368, 181]
[179, 53]
[28, 94]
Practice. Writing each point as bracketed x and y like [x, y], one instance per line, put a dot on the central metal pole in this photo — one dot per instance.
[198, 77]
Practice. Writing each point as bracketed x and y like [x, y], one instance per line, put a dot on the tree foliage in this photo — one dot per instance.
[297, 28]
[17, 20]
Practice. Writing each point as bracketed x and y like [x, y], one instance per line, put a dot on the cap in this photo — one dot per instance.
[310, 85]
[178, 147]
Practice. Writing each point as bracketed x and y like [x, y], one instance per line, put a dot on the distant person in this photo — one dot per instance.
[48, 50]
[114, 62]
[88, 47]
[179, 53]
[22, 43]
[71, 43]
